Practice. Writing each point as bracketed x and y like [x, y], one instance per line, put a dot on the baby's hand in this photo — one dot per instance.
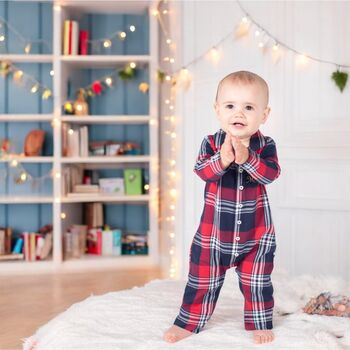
[241, 151]
[226, 153]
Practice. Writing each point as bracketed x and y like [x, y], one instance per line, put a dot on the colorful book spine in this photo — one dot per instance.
[83, 42]
[70, 37]
[117, 242]
[17, 249]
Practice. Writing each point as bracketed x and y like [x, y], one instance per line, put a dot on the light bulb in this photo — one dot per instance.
[2, 37]
[132, 65]
[122, 35]
[173, 192]
[257, 33]
[245, 20]
[63, 216]
[23, 176]
[107, 43]
[172, 60]
[52, 73]
[70, 131]
[14, 163]
[168, 41]
[132, 28]
[167, 101]
[34, 89]
[109, 81]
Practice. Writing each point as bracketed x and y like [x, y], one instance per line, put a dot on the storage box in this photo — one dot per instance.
[133, 181]
[112, 185]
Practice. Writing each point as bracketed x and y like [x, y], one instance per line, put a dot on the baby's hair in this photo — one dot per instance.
[244, 77]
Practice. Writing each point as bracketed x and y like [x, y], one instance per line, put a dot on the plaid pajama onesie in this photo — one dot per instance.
[235, 230]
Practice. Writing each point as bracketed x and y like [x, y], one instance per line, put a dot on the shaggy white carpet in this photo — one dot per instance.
[136, 319]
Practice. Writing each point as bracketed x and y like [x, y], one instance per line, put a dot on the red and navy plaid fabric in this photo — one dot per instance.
[235, 230]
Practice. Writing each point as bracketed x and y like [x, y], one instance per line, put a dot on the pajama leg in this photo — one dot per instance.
[205, 279]
[254, 273]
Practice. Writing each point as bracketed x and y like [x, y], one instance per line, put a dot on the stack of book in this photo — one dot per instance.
[81, 189]
[75, 141]
[105, 242]
[70, 37]
[6, 244]
[134, 244]
[32, 246]
[71, 177]
[74, 242]
[93, 215]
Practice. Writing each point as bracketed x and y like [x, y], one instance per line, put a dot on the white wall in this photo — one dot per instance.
[310, 122]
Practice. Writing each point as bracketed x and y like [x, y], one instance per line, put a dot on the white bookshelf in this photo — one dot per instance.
[63, 66]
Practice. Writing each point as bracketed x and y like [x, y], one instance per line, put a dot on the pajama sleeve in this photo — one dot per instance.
[263, 167]
[208, 165]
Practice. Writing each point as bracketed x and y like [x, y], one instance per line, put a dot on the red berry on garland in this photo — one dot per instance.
[96, 87]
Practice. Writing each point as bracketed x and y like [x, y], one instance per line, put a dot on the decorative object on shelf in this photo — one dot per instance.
[112, 185]
[96, 87]
[340, 79]
[5, 145]
[80, 106]
[161, 76]
[127, 73]
[133, 181]
[68, 107]
[5, 68]
[144, 87]
[34, 142]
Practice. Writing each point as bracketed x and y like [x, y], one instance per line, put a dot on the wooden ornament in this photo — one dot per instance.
[80, 105]
[34, 142]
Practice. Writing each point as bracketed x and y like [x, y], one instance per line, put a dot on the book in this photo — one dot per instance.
[94, 241]
[83, 42]
[86, 188]
[133, 181]
[70, 37]
[17, 249]
[11, 257]
[107, 242]
[47, 247]
[2, 241]
[93, 215]
[117, 242]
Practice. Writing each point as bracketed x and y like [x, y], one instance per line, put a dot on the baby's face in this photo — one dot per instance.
[241, 108]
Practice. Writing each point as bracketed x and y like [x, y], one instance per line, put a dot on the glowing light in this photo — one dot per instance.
[171, 251]
[155, 12]
[168, 41]
[34, 89]
[132, 28]
[24, 176]
[107, 43]
[57, 175]
[167, 102]
[55, 122]
[261, 44]
[173, 135]
[214, 55]
[245, 20]
[46, 94]
[132, 65]
[165, 59]
[2, 37]
[109, 81]
[257, 33]
[172, 207]
[165, 12]
[63, 216]
[275, 47]
[146, 187]
[27, 48]
[70, 131]
[14, 163]
[172, 192]
[172, 60]
[172, 235]
[171, 107]
[302, 59]
[122, 35]
[167, 77]
[52, 73]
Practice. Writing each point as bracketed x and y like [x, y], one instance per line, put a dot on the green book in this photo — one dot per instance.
[133, 181]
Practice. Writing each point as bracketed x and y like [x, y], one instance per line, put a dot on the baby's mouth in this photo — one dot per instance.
[238, 124]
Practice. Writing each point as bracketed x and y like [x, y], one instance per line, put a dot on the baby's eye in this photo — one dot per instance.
[250, 108]
[230, 106]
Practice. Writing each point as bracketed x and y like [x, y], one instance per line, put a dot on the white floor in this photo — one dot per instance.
[137, 318]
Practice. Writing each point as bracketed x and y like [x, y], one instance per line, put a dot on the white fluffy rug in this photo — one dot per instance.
[136, 319]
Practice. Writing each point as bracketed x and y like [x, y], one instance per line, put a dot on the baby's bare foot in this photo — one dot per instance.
[176, 333]
[263, 336]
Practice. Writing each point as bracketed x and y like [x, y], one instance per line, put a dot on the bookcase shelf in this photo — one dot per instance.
[92, 197]
[25, 200]
[27, 58]
[111, 119]
[103, 61]
[142, 122]
[107, 159]
[44, 159]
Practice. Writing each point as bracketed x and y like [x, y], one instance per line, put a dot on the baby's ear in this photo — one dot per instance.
[266, 114]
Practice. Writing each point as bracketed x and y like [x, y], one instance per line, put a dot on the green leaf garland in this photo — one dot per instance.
[340, 79]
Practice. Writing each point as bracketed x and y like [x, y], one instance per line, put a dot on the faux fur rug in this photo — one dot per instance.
[136, 319]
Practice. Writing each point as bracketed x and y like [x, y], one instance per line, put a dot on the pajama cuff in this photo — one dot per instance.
[252, 161]
[216, 166]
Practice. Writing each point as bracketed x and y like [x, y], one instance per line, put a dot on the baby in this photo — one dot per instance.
[236, 228]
